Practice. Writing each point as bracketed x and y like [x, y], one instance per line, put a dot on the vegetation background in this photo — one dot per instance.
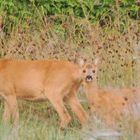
[68, 29]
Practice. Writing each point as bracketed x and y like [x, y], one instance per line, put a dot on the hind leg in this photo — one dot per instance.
[11, 110]
[7, 113]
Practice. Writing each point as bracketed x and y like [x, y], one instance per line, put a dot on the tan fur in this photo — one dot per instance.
[41, 80]
[110, 104]
[1, 21]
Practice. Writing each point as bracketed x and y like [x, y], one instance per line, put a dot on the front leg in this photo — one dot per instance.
[78, 109]
[57, 103]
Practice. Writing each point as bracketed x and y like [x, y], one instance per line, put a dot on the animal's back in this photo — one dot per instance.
[28, 77]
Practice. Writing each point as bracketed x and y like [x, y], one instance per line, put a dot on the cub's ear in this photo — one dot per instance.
[80, 62]
[96, 61]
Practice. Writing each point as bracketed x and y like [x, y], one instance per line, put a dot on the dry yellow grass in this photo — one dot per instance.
[119, 63]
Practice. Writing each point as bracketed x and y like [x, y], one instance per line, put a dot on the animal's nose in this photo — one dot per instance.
[89, 77]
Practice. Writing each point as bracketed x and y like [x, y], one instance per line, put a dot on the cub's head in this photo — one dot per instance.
[89, 71]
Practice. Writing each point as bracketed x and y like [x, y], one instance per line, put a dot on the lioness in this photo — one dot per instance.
[40, 80]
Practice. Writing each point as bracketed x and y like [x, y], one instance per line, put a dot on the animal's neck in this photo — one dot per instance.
[92, 92]
[91, 87]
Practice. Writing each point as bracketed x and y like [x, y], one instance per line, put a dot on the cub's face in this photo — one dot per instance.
[89, 72]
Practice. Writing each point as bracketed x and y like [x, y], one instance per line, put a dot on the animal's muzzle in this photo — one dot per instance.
[89, 78]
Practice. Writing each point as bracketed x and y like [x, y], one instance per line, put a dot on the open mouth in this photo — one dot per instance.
[89, 78]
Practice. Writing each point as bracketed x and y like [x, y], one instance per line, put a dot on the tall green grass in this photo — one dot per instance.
[23, 13]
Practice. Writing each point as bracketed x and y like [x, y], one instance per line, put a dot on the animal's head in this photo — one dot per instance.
[89, 71]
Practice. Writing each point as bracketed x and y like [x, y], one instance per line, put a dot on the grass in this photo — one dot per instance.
[36, 124]
[119, 67]
[44, 125]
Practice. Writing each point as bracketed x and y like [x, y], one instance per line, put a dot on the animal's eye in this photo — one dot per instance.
[84, 71]
[93, 71]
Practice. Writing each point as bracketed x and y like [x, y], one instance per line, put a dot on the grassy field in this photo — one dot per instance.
[39, 121]
[118, 47]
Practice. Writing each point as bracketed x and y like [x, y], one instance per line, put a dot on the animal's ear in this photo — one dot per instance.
[80, 62]
[96, 61]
